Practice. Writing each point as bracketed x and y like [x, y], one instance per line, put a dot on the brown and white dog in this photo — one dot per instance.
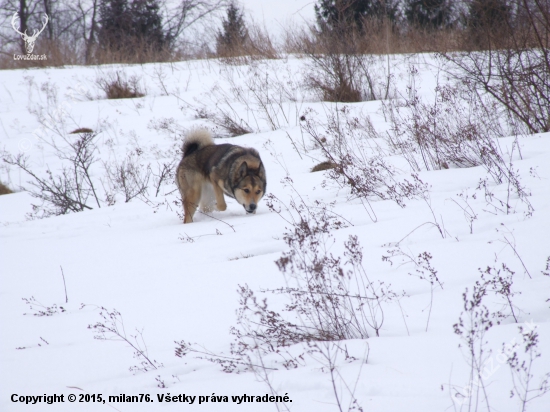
[207, 171]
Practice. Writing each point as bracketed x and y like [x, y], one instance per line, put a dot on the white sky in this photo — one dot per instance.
[274, 14]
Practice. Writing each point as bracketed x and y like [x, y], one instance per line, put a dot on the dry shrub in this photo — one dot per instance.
[325, 297]
[130, 177]
[117, 86]
[328, 297]
[263, 90]
[348, 142]
[453, 131]
[69, 189]
[337, 86]
[456, 130]
[515, 68]
[481, 313]
[227, 118]
[258, 45]
[460, 129]
[342, 66]
[336, 72]
[232, 126]
[80, 184]
[262, 43]
[111, 327]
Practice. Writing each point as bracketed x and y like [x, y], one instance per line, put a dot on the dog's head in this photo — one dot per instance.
[250, 187]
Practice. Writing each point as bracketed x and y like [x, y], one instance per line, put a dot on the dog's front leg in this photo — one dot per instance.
[218, 192]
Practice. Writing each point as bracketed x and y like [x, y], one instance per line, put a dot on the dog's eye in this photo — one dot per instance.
[258, 192]
[247, 190]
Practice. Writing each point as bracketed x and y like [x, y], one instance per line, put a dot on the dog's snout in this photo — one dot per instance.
[252, 206]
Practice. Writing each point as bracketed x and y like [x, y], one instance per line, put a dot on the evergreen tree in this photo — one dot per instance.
[125, 27]
[429, 13]
[115, 24]
[343, 15]
[234, 33]
[487, 13]
[147, 22]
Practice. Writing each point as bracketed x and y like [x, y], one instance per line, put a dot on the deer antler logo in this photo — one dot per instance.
[29, 40]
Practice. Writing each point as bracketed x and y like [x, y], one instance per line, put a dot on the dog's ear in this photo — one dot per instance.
[262, 176]
[243, 170]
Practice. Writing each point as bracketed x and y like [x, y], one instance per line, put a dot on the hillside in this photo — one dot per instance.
[412, 247]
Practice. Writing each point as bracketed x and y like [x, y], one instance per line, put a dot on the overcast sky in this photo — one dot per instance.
[276, 13]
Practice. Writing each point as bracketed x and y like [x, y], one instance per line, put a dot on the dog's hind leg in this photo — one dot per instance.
[190, 204]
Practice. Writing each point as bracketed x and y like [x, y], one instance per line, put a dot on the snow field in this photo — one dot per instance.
[174, 282]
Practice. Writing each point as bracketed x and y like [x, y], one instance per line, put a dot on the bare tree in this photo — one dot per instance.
[186, 13]
[68, 189]
[71, 34]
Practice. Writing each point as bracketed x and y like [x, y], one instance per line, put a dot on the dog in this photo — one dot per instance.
[207, 171]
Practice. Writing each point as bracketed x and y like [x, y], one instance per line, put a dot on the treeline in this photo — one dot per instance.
[408, 26]
[109, 31]
[433, 25]
[402, 26]
[427, 14]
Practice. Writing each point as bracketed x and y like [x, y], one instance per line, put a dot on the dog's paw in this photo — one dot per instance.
[221, 207]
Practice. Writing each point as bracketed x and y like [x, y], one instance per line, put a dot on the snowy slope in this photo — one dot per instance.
[173, 282]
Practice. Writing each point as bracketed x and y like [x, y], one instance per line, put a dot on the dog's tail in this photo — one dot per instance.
[197, 139]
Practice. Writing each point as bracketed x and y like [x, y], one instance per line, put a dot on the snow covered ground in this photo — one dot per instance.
[171, 282]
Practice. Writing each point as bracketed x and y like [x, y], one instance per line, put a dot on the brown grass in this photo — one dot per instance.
[385, 37]
[117, 86]
[326, 165]
[259, 45]
[60, 53]
[82, 130]
[5, 190]
[56, 55]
